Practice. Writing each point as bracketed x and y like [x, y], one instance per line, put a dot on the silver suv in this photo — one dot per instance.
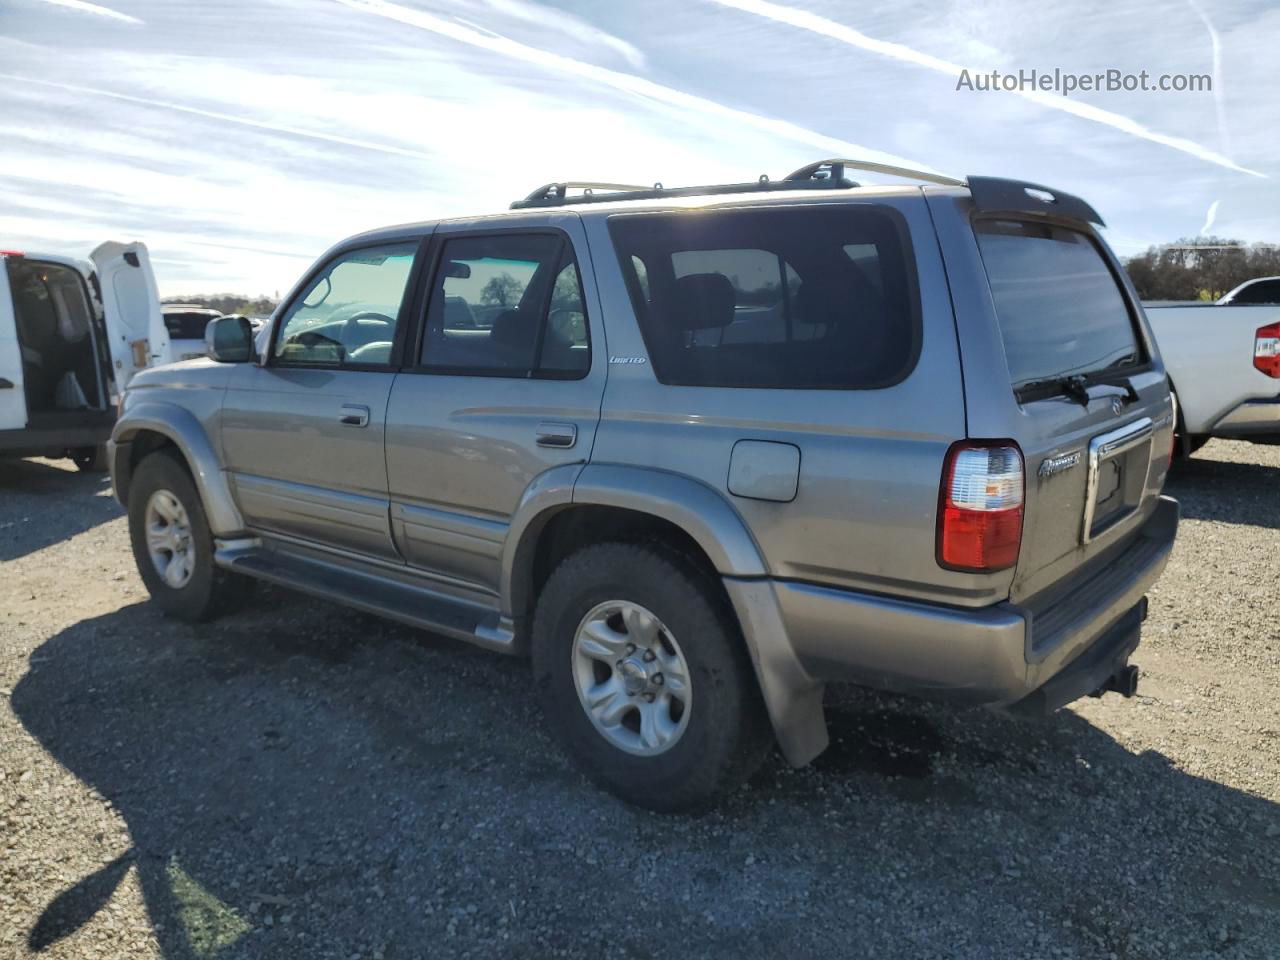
[698, 451]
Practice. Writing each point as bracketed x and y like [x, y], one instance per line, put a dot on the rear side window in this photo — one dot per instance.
[1059, 306]
[815, 297]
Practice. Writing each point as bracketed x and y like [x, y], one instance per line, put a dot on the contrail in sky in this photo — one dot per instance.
[618, 80]
[814, 23]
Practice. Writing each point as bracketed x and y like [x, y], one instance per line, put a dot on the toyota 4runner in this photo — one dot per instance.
[698, 451]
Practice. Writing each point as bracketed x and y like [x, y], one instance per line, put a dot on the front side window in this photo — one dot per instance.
[791, 298]
[1059, 307]
[348, 314]
[508, 305]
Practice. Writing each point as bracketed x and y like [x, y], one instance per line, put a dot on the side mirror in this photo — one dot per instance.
[229, 340]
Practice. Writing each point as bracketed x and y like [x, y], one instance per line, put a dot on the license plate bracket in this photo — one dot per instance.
[1119, 463]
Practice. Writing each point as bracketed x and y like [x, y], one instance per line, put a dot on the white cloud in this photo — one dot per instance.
[625, 82]
[83, 6]
[567, 23]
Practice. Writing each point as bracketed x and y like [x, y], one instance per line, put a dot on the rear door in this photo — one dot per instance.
[131, 306]
[505, 385]
[1040, 301]
[13, 406]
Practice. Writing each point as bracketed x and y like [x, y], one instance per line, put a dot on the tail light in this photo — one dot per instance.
[1266, 349]
[980, 510]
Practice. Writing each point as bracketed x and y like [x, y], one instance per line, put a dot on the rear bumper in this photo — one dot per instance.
[997, 655]
[1251, 417]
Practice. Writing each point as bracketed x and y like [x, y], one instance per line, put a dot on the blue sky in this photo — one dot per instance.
[239, 139]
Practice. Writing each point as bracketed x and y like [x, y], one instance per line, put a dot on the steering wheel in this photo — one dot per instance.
[351, 329]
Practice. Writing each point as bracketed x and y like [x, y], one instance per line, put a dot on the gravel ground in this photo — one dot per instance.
[303, 781]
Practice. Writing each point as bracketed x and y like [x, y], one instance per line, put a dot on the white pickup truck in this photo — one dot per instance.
[1224, 363]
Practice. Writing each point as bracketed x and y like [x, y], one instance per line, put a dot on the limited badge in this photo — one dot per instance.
[1052, 466]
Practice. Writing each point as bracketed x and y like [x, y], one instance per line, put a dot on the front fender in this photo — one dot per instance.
[187, 433]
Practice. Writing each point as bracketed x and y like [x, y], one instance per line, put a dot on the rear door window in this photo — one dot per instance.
[1060, 308]
[507, 305]
[814, 297]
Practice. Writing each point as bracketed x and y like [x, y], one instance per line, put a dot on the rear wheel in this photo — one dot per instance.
[173, 546]
[646, 678]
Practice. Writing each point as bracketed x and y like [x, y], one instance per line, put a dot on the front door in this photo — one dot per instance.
[303, 431]
[507, 385]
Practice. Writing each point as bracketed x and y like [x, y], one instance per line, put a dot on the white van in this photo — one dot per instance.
[72, 333]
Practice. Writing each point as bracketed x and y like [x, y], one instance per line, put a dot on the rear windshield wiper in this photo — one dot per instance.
[1074, 386]
[1078, 387]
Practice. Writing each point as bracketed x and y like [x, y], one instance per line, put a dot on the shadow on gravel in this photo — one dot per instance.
[1226, 490]
[28, 524]
[303, 781]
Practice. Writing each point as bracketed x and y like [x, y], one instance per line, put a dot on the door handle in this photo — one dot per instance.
[6, 383]
[562, 435]
[354, 415]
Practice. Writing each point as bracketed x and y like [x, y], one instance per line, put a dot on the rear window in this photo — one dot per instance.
[795, 298]
[187, 325]
[1060, 308]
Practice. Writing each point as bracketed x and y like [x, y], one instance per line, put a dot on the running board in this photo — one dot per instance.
[367, 586]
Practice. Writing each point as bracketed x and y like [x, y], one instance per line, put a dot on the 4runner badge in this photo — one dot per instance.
[1052, 466]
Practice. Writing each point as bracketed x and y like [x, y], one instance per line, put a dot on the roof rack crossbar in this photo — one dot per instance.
[833, 171]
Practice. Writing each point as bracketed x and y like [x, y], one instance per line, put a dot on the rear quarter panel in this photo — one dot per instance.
[864, 512]
[1052, 550]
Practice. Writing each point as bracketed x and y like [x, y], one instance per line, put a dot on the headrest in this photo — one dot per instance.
[701, 301]
[835, 295]
[457, 313]
[510, 328]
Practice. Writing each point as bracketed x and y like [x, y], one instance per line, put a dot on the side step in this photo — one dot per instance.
[392, 592]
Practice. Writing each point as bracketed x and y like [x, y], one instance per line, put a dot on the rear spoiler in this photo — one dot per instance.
[998, 195]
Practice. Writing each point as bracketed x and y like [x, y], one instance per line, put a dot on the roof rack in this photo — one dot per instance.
[832, 171]
[990, 194]
[555, 194]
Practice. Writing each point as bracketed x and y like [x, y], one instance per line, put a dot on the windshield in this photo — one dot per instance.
[1060, 309]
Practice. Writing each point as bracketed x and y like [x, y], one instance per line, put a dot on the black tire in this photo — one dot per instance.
[210, 591]
[90, 459]
[728, 733]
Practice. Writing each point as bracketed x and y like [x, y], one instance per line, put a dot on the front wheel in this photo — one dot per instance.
[646, 678]
[173, 545]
